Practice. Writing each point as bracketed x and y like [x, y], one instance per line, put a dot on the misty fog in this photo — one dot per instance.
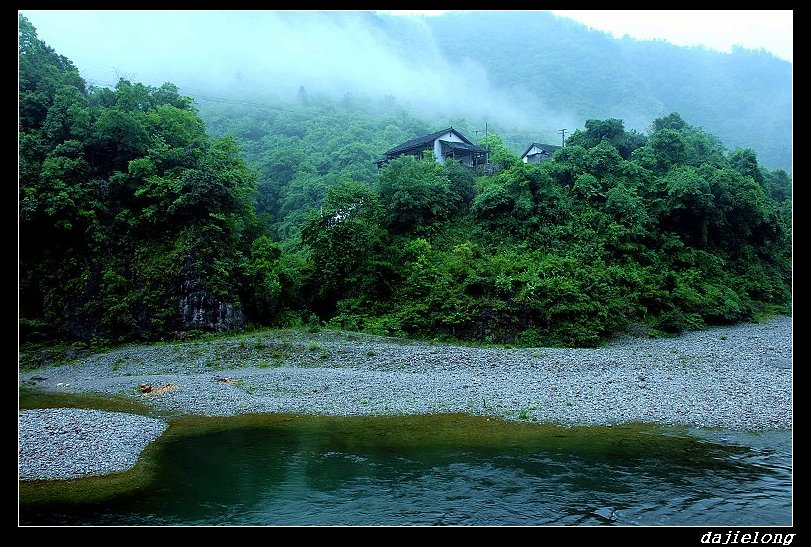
[527, 74]
[216, 54]
[267, 197]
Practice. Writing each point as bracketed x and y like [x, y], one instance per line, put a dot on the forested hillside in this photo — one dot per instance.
[744, 97]
[526, 73]
[668, 229]
[135, 223]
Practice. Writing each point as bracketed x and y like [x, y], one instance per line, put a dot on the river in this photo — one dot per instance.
[358, 471]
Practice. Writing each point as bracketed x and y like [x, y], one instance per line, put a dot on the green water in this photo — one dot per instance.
[448, 470]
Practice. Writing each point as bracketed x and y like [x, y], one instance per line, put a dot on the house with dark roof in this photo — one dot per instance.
[448, 143]
[537, 152]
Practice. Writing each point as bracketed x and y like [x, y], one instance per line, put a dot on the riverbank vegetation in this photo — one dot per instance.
[144, 218]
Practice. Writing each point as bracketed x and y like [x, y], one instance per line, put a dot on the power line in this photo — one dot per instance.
[562, 137]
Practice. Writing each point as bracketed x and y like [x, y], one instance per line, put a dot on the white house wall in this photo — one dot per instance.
[532, 152]
[449, 136]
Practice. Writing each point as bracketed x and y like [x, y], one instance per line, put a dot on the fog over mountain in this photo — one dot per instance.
[528, 73]
[260, 199]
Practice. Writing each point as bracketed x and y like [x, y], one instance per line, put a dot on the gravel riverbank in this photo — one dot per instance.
[737, 377]
[66, 443]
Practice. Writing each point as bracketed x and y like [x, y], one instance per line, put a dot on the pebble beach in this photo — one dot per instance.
[737, 377]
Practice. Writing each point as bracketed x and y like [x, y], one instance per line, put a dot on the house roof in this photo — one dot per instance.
[548, 148]
[420, 143]
[453, 145]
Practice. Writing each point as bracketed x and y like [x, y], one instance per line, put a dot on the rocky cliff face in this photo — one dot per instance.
[201, 309]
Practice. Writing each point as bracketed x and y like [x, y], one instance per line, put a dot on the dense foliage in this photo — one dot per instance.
[134, 223]
[744, 97]
[667, 230]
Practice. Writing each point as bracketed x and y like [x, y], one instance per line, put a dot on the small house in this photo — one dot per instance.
[448, 143]
[537, 152]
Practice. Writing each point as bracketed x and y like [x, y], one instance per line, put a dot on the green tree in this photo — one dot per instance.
[133, 223]
[498, 153]
[343, 238]
[414, 194]
[744, 161]
[462, 184]
[265, 283]
[689, 204]
[612, 131]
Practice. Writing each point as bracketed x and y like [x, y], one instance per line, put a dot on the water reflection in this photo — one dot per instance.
[354, 472]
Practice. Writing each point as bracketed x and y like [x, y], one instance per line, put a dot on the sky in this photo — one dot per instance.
[141, 45]
[213, 54]
[772, 30]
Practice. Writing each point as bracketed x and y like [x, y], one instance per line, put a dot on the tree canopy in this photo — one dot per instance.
[141, 217]
[133, 222]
